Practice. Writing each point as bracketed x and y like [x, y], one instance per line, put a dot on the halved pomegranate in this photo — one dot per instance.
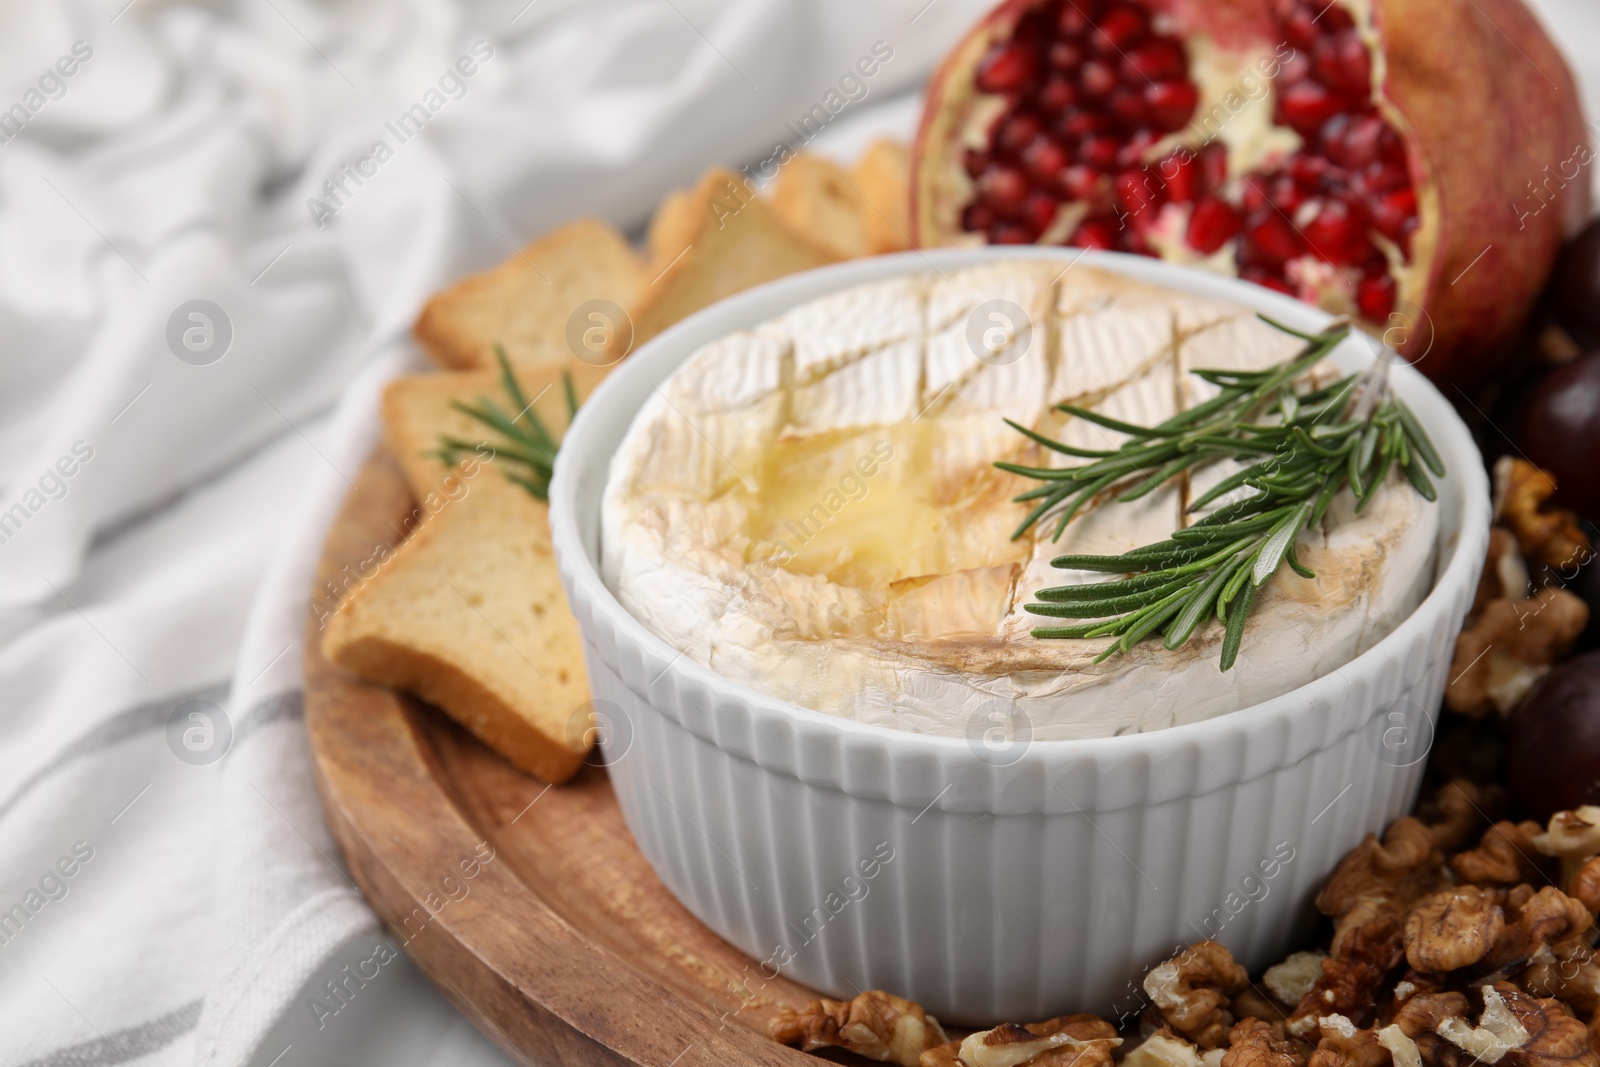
[1413, 163]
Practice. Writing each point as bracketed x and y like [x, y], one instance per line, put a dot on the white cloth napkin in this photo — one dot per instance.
[176, 474]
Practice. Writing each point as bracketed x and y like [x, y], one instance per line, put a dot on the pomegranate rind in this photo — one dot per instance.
[939, 185]
[1485, 103]
[1488, 103]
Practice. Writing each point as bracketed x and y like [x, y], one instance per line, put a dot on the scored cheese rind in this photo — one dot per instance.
[811, 508]
[840, 327]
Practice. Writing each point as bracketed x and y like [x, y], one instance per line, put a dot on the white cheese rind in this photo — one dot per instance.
[888, 590]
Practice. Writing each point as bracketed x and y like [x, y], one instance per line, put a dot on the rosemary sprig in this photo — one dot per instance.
[1300, 448]
[523, 443]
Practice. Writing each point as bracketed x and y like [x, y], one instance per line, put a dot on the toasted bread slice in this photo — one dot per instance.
[738, 242]
[417, 411]
[883, 178]
[816, 197]
[527, 302]
[469, 615]
[672, 228]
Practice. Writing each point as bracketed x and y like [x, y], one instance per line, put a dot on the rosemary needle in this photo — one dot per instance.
[1298, 447]
[523, 443]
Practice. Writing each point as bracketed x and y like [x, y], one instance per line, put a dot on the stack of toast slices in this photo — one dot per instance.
[468, 612]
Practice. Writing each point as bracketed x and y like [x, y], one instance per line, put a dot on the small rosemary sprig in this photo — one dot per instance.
[1301, 448]
[524, 442]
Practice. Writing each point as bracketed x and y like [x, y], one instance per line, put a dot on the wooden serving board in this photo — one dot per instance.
[564, 947]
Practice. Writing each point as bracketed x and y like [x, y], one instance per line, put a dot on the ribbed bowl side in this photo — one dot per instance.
[982, 916]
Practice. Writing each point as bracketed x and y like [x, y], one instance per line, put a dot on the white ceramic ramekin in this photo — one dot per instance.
[854, 857]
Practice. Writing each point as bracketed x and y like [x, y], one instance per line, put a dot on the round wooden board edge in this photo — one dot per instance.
[529, 980]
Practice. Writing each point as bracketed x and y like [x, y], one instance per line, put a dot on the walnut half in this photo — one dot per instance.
[875, 1024]
[1344, 1045]
[1454, 928]
[1166, 1049]
[1512, 644]
[1066, 1041]
[1506, 856]
[1573, 837]
[1551, 536]
[1253, 1043]
[1519, 1030]
[1193, 991]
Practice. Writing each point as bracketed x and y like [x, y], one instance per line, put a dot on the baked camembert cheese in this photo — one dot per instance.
[810, 508]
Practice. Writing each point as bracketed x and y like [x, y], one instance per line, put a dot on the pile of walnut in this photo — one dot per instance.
[1453, 943]
[1518, 627]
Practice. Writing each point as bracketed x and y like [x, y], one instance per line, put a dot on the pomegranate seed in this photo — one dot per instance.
[1271, 237]
[1264, 276]
[1160, 59]
[1015, 132]
[1253, 196]
[1033, 26]
[1120, 28]
[1213, 224]
[1332, 18]
[1392, 210]
[1297, 67]
[1181, 173]
[973, 161]
[1307, 170]
[976, 218]
[1058, 94]
[1375, 180]
[1128, 105]
[1010, 233]
[1214, 166]
[1044, 159]
[1330, 137]
[1081, 123]
[1099, 151]
[1305, 106]
[1390, 147]
[1300, 28]
[1066, 55]
[1375, 297]
[1003, 186]
[1077, 17]
[1335, 180]
[1353, 200]
[1373, 261]
[1133, 150]
[1007, 67]
[1137, 190]
[1285, 195]
[1040, 210]
[1098, 232]
[1172, 104]
[1097, 77]
[1352, 140]
[1335, 233]
[1343, 64]
[1080, 182]
[1383, 176]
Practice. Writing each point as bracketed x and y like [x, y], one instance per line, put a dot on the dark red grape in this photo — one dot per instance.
[1561, 431]
[1575, 286]
[1554, 761]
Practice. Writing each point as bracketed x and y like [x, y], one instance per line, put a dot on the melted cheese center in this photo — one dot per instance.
[871, 507]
